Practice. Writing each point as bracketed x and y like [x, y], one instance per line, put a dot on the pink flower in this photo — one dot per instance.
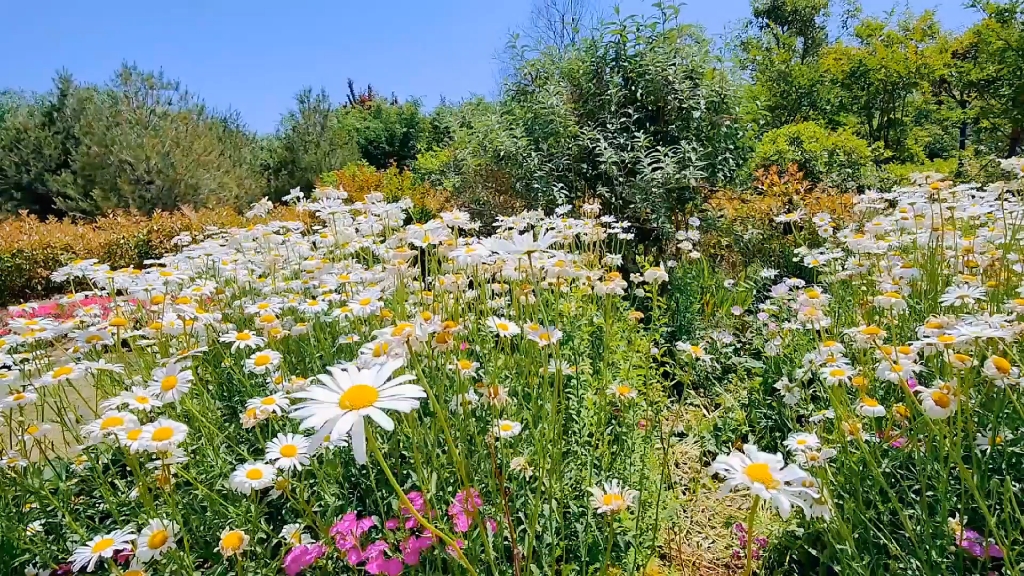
[459, 543]
[466, 504]
[346, 533]
[301, 557]
[392, 523]
[492, 525]
[413, 546]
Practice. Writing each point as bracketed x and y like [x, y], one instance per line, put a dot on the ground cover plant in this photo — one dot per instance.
[355, 391]
[362, 393]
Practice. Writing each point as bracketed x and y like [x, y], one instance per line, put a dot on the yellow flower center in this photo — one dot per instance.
[102, 545]
[289, 450]
[365, 301]
[32, 430]
[142, 399]
[169, 382]
[243, 337]
[946, 338]
[502, 326]
[232, 540]
[505, 427]
[762, 474]
[134, 435]
[268, 319]
[801, 442]
[157, 539]
[869, 402]
[358, 396]
[254, 474]
[837, 373]
[871, 331]
[93, 338]
[465, 364]
[612, 500]
[111, 422]
[262, 360]
[623, 389]
[62, 371]
[163, 434]
[1001, 364]
[941, 399]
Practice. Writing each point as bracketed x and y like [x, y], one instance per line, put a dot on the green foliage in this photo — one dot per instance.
[309, 140]
[838, 159]
[140, 142]
[641, 116]
[386, 132]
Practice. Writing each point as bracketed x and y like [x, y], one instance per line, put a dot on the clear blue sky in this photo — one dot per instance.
[254, 56]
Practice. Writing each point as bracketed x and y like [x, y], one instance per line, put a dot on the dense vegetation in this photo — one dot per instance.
[645, 114]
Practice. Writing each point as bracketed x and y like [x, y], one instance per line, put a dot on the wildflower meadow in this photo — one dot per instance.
[357, 390]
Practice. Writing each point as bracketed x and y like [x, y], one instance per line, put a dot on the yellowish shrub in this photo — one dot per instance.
[360, 179]
[31, 249]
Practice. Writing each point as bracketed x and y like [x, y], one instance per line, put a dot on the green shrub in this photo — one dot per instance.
[837, 159]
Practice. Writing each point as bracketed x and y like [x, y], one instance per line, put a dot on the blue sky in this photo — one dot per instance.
[254, 56]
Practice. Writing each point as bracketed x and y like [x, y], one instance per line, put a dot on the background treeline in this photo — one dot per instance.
[647, 114]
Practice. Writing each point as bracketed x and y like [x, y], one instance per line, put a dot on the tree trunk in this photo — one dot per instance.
[1015, 138]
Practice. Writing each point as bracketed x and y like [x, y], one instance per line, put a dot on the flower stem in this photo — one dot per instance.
[412, 510]
[751, 518]
[608, 548]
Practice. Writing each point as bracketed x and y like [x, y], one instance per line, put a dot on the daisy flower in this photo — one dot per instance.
[802, 441]
[243, 340]
[263, 361]
[288, 451]
[163, 435]
[611, 498]
[67, 373]
[251, 476]
[938, 402]
[155, 539]
[465, 367]
[1000, 370]
[170, 382]
[621, 391]
[348, 394]
[100, 547]
[870, 407]
[765, 475]
[232, 542]
[503, 327]
[18, 399]
[275, 403]
[138, 398]
[545, 335]
[812, 458]
[110, 423]
[985, 441]
[962, 295]
[506, 428]
[293, 534]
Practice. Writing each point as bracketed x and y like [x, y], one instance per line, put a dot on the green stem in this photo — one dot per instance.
[751, 519]
[412, 510]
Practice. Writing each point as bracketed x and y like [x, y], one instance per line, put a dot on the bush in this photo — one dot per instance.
[359, 179]
[837, 159]
[30, 248]
[141, 142]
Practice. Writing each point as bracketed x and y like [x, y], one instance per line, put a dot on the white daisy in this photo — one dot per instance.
[102, 546]
[610, 498]
[156, 539]
[288, 451]
[348, 394]
[251, 476]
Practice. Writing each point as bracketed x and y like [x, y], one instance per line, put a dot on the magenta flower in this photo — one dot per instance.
[301, 557]
[977, 546]
[392, 524]
[413, 546]
[346, 533]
